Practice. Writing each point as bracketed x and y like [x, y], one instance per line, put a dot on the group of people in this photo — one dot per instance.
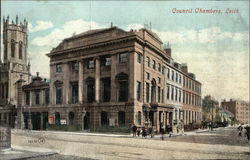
[142, 131]
[245, 131]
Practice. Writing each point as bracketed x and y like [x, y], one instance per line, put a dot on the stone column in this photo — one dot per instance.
[188, 120]
[80, 82]
[184, 117]
[52, 87]
[41, 123]
[97, 79]
[31, 98]
[66, 77]
[113, 75]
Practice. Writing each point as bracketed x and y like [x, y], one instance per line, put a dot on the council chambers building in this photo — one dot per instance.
[105, 77]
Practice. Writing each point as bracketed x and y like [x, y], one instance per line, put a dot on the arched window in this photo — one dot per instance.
[139, 117]
[20, 50]
[104, 118]
[153, 90]
[121, 118]
[71, 118]
[13, 48]
[122, 79]
[57, 118]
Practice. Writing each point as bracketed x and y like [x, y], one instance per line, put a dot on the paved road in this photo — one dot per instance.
[222, 143]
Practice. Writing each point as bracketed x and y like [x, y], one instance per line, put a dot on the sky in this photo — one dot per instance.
[214, 45]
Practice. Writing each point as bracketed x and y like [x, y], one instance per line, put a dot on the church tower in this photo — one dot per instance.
[14, 64]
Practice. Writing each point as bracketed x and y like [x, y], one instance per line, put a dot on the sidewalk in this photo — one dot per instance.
[20, 153]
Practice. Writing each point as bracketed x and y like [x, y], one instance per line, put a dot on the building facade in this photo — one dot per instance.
[13, 67]
[111, 77]
[240, 109]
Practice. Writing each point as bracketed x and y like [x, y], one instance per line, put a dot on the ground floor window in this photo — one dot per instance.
[121, 118]
[71, 118]
[57, 118]
[104, 119]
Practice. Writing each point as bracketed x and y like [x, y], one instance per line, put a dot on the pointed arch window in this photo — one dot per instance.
[20, 50]
[13, 48]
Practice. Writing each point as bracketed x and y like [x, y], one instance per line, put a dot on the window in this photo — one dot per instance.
[172, 75]
[106, 61]
[148, 76]
[90, 90]
[148, 61]
[123, 57]
[75, 66]
[153, 91]
[20, 50]
[104, 119]
[58, 68]
[184, 81]
[159, 94]
[168, 73]
[138, 92]
[147, 92]
[159, 67]
[13, 48]
[179, 78]
[46, 96]
[168, 90]
[172, 93]
[154, 65]
[162, 96]
[163, 70]
[27, 99]
[159, 80]
[123, 91]
[139, 118]
[37, 96]
[58, 95]
[91, 64]
[179, 95]
[176, 77]
[106, 89]
[139, 58]
[74, 93]
[71, 118]
[176, 93]
[184, 96]
[121, 118]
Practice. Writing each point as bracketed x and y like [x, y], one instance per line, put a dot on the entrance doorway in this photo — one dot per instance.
[87, 121]
[36, 120]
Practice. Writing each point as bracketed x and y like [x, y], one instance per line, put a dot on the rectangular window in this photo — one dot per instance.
[46, 96]
[172, 75]
[159, 67]
[138, 90]
[139, 58]
[162, 96]
[147, 92]
[163, 70]
[176, 94]
[75, 66]
[58, 95]
[106, 61]
[184, 81]
[176, 77]
[37, 96]
[168, 73]
[179, 95]
[123, 91]
[123, 57]
[58, 68]
[27, 93]
[74, 93]
[168, 91]
[159, 80]
[148, 61]
[172, 93]
[106, 89]
[179, 78]
[148, 76]
[159, 94]
[91, 64]
[183, 96]
[154, 65]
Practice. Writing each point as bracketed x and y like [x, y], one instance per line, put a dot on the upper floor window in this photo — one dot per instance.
[91, 64]
[159, 94]
[75, 66]
[176, 93]
[46, 96]
[154, 65]
[159, 80]
[159, 67]
[179, 78]
[20, 50]
[37, 96]
[106, 61]
[139, 56]
[176, 77]
[168, 73]
[123, 57]
[163, 70]
[172, 75]
[27, 98]
[13, 48]
[148, 76]
[148, 61]
[138, 90]
[58, 68]
[168, 90]
[58, 95]
[147, 92]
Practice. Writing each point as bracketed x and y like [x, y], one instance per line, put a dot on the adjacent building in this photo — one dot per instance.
[109, 77]
[240, 109]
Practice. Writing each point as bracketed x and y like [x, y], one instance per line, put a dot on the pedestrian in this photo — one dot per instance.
[162, 133]
[138, 132]
[247, 128]
[240, 130]
[150, 131]
[144, 132]
[134, 128]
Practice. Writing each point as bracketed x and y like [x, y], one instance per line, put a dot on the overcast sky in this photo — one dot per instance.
[215, 46]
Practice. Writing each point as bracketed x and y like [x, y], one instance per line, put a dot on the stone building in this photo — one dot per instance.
[240, 109]
[111, 77]
[12, 67]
